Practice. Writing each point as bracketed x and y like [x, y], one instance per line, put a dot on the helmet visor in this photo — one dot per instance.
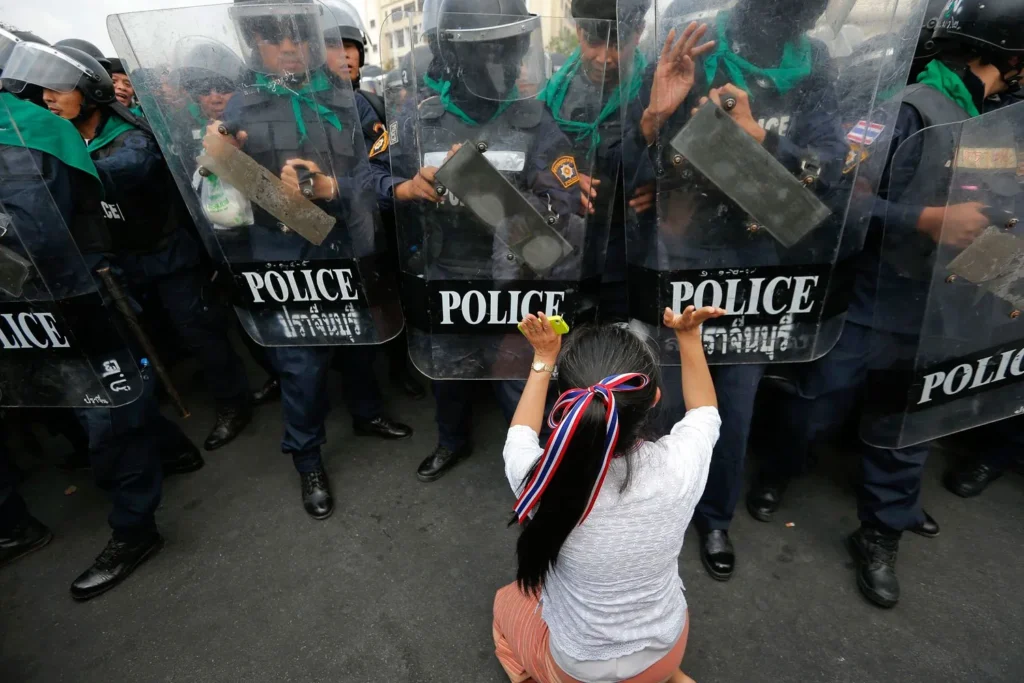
[497, 57]
[285, 39]
[35, 64]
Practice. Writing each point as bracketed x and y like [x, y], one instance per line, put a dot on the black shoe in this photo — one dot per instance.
[316, 494]
[28, 536]
[404, 381]
[875, 553]
[231, 420]
[440, 461]
[182, 461]
[270, 391]
[929, 528]
[381, 426]
[765, 497]
[114, 564]
[717, 554]
[970, 481]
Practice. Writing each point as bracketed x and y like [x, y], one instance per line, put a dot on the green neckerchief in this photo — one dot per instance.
[197, 116]
[794, 67]
[302, 96]
[939, 76]
[557, 86]
[137, 110]
[443, 90]
[114, 126]
[40, 130]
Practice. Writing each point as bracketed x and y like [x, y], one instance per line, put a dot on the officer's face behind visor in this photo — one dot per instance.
[284, 42]
[602, 48]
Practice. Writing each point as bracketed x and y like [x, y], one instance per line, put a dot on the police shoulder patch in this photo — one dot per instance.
[381, 144]
[564, 169]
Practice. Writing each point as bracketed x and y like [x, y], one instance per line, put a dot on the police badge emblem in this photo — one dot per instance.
[564, 169]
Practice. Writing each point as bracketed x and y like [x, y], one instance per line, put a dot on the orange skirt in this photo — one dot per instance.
[521, 642]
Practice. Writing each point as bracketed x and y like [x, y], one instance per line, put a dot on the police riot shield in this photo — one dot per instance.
[947, 350]
[496, 227]
[61, 344]
[756, 167]
[261, 129]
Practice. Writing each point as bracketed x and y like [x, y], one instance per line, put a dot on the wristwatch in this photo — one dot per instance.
[541, 366]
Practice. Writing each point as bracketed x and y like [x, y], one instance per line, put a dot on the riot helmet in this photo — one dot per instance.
[340, 22]
[8, 39]
[494, 49]
[991, 29]
[61, 69]
[283, 37]
[116, 66]
[203, 65]
[86, 47]
[598, 18]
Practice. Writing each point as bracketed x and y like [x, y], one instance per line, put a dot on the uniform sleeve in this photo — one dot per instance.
[521, 453]
[553, 175]
[899, 171]
[377, 143]
[130, 167]
[818, 133]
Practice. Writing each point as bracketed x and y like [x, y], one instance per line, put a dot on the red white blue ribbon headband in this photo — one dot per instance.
[564, 419]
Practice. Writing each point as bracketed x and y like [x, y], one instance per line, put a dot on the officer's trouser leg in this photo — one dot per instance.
[890, 493]
[203, 326]
[359, 381]
[454, 412]
[304, 402]
[124, 449]
[509, 391]
[12, 505]
[820, 399]
[736, 386]
[1000, 443]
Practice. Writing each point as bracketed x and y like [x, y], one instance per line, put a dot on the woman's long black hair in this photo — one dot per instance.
[590, 354]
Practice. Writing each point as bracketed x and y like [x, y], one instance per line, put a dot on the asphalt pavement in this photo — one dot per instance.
[398, 584]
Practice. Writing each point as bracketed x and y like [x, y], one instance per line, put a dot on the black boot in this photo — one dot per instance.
[717, 554]
[875, 553]
[765, 497]
[117, 561]
[970, 481]
[316, 494]
[382, 427]
[231, 420]
[440, 461]
[181, 460]
[23, 538]
[270, 391]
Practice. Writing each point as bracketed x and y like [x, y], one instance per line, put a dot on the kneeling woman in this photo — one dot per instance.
[604, 512]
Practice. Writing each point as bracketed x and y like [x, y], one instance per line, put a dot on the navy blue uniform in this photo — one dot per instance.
[827, 391]
[273, 138]
[125, 443]
[153, 250]
[460, 249]
[800, 123]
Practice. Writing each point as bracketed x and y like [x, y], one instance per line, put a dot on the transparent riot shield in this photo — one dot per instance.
[62, 346]
[501, 230]
[265, 143]
[760, 202]
[948, 338]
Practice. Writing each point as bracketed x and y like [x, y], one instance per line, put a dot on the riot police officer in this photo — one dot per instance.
[160, 255]
[278, 117]
[125, 442]
[486, 56]
[345, 40]
[779, 84]
[976, 49]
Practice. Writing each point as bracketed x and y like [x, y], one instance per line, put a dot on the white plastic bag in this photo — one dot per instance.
[224, 205]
